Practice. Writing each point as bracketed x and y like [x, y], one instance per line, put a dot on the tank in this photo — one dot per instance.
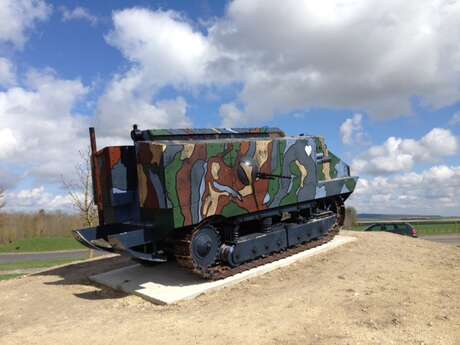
[217, 200]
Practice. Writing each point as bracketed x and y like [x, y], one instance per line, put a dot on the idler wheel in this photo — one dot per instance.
[205, 246]
[227, 254]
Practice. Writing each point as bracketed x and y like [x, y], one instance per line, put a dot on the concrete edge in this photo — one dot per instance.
[258, 271]
[228, 282]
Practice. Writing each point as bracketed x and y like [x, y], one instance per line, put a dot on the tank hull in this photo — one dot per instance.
[184, 183]
[215, 198]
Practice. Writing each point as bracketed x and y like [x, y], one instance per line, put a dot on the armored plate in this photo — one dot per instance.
[183, 182]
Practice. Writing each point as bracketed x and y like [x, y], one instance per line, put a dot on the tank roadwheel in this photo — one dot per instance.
[204, 247]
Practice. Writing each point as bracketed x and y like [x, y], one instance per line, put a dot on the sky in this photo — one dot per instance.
[379, 80]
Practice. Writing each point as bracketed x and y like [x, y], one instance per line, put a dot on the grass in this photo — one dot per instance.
[10, 266]
[437, 229]
[16, 226]
[359, 227]
[9, 276]
[427, 228]
[41, 244]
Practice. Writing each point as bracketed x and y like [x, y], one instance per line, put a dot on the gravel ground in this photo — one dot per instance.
[381, 289]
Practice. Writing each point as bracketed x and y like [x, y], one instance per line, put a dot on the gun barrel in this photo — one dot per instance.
[272, 176]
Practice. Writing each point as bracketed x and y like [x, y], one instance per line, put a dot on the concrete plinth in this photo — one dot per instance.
[168, 283]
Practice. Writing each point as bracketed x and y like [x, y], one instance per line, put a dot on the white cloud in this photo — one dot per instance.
[40, 131]
[122, 105]
[78, 13]
[352, 131]
[433, 191]
[163, 50]
[7, 72]
[8, 143]
[397, 154]
[162, 44]
[232, 116]
[19, 16]
[455, 119]
[366, 55]
[34, 199]
[369, 55]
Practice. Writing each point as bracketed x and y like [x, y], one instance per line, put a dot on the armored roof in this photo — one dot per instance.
[181, 141]
[206, 133]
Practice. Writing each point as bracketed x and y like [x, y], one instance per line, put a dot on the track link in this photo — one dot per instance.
[221, 271]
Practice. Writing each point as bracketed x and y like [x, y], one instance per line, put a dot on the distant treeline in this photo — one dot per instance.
[378, 216]
[18, 226]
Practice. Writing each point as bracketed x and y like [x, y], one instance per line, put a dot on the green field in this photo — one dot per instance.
[41, 244]
[425, 228]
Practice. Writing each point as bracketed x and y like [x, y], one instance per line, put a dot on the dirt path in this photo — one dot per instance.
[382, 289]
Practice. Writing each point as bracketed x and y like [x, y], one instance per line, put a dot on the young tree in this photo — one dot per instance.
[2, 197]
[2, 204]
[80, 189]
[351, 217]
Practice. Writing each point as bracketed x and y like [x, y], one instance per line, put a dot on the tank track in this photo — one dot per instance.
[183, 255]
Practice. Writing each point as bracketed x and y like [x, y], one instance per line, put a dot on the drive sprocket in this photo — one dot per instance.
[199, 248]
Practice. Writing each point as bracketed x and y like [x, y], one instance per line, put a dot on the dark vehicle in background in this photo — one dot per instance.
[397, 228]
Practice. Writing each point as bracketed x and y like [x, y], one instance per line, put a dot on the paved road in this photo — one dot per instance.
[453, 239]
[75, 254]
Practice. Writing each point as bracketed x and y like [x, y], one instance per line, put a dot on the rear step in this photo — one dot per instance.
[124, 239]
[89, 238]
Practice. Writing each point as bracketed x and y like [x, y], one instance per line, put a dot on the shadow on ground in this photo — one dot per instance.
[79, 273]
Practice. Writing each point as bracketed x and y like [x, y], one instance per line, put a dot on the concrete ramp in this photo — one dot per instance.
[168, 283]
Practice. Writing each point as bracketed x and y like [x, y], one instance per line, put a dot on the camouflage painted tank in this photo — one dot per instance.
[215, 199]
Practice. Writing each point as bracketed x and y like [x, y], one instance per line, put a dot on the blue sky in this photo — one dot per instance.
[305, 67]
